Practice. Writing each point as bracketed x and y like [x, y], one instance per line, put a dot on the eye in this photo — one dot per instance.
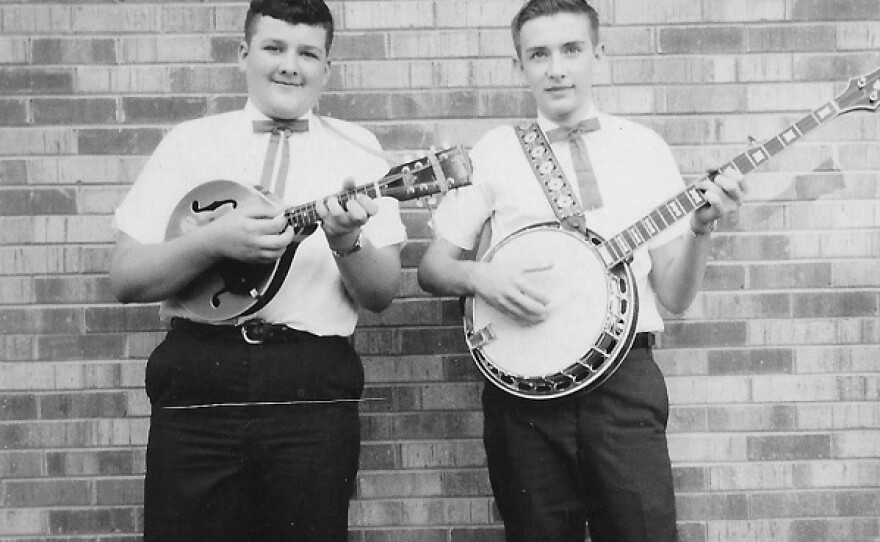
[271, 48]
[573, 49]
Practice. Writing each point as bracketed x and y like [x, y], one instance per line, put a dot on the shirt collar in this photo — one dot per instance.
[253, 113]
[547, 124]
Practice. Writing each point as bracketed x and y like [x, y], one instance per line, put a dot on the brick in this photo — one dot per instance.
[22, 522]
[434, 340]
[16, 347]
[794, 505]
[766, 67]
[677, 11]
[446, 44]
[708, 448]
[94, 405]
[789, 447]
[118, 141]
[433, 104]
[392, 369]
[442, 453]
[702, 99]
[206, 79]
[398, 484]
[80, 347]
[391, 14]
[370, 75]
[189, 19]
[693, 40]
[775, 276]
[858, 35]
[688, 479]
[684, 419]
[120, 492]
[358, 46]
[115, 19]
[752, 418]
[412, 312]
[65, 290]
[735, 305]
[12, 113]
[20, 465]
[46, 493]
[29, 20]
[753, 361]
[474, 13]
[74, 111]
[702, 507]
[224, 49]
[18, 407]
[121, 79]
[122, 318]
[377, 456]
[831, 67]
[480, 534]
[74, 51]
[697, 334]
[834, 474]
[834, 304]
[90, 463]
[405, 535]
[28, 320]
[837, 416]
[861, 444]
[834, 10]
[37, 141]
[791, 38]
[165, 110]
[164, 49]
[98, 520]
[13, 172]
[743, 10]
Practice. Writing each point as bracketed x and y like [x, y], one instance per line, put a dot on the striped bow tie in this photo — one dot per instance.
[295, 125]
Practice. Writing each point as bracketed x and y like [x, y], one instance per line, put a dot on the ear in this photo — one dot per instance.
[518, 66]
[599, 51]
[243, 50]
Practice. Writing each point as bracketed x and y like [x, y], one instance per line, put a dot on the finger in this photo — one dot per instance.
[534, 295]
[334, 208]
[537, 268]
[356, 212]
[369, 205]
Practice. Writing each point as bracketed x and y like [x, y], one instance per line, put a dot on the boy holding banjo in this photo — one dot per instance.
[562, 453]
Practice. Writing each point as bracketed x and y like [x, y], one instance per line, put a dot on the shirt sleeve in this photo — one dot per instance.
[146, 209]
[669, 184]
[460, 216]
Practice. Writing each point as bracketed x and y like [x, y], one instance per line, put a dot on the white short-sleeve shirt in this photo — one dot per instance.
[634, 169]
[312, 297]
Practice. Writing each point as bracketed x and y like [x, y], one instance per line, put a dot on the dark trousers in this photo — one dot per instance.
[251, 473]
[597, 458]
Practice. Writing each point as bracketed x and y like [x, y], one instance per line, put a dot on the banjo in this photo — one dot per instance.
[232, 288]
[592, 321]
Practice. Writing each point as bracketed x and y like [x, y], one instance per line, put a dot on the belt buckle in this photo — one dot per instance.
[257, 325]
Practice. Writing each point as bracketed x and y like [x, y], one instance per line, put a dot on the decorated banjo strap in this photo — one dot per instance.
[550, 176]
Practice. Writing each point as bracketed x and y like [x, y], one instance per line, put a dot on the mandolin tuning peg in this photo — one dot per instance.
[752, 141]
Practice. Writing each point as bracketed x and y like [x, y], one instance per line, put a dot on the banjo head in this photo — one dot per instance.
[592, 313]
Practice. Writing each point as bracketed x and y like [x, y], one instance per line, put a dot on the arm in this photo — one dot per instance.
[678, 267]
[371, 275]
[152, 272]
[442, 271]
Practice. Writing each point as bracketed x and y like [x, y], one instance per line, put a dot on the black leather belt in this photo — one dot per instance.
[251, 332]
[644, 340]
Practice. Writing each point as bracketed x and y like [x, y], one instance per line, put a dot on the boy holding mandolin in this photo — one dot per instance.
[561, 459]
[254, 428]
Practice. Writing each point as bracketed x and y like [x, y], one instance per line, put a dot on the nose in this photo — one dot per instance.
[555, 67]
[289, 63]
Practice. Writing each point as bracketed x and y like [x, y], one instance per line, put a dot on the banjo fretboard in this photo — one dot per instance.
[621, 247]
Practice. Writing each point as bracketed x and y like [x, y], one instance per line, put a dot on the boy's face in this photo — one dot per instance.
[557, 61]
[286, 67]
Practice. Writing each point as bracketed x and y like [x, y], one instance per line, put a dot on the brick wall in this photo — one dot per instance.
[773, 372]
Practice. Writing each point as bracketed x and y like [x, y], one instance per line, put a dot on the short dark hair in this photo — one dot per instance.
[308, 12]
[545, 8]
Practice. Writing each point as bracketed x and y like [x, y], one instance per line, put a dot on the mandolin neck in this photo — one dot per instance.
[301, 216]
[620, 248]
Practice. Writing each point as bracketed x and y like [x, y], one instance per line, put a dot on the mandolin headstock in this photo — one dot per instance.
[435, 173]
[862, 92]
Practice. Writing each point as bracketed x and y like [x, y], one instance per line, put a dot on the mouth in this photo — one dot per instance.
[287, 84]
[558, 89]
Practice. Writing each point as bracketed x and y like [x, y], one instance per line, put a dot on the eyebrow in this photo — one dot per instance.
[561, 45]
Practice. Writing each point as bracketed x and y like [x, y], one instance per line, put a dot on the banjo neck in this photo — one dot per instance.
[621, 247]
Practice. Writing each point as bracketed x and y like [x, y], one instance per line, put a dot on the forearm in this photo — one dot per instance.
[143, 273]
[371, 275]
[678, 278]
[442, 273]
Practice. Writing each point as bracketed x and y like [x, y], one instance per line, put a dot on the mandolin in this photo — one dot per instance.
[233, 288]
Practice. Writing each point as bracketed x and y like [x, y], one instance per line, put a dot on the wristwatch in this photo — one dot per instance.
[696, 233]
[356, 246]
